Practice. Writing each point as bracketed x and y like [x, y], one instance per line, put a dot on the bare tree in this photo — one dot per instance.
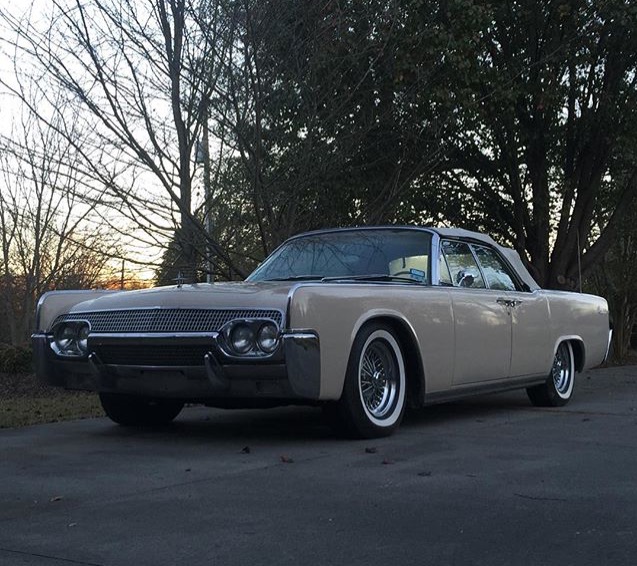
[49, 237]
[140, 76]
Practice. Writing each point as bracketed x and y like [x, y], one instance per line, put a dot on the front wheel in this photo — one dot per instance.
[373, 399]
[131, 410]
[557, 390]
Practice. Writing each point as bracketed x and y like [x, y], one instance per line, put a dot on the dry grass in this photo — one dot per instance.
[25, 401]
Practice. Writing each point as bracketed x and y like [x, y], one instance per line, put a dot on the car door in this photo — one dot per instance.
[531, 350]
[482, 325]
[531, 342]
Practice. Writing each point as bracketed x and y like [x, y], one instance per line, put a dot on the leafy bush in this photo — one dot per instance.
[15, 359]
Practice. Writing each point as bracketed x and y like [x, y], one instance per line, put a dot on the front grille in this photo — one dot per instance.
[166, 320]
[149, 355]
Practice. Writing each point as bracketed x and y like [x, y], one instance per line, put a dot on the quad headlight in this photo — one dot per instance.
[252, 337]
[268, 337]
[242, 338]
[70, 338]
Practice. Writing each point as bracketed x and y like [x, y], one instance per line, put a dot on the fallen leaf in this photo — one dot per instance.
[56, 498]
[371, 450]
[287, 460]
[387, 462]
[245, 450]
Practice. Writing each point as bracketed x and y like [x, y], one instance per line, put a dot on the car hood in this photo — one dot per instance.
[265, 295]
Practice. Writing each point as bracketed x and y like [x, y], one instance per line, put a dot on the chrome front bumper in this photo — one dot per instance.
[186, 366]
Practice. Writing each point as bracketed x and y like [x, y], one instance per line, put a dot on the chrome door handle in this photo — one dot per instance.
[508, 302]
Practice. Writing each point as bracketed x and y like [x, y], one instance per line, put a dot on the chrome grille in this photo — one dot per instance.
[166, 320]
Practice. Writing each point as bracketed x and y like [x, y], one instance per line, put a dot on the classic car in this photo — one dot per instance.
[363, 321]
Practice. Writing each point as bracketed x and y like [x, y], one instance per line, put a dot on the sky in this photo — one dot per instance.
[11, 110]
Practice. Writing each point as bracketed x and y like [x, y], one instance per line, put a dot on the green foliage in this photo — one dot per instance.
[519, 119]
[15, 359]
[547, 103]
[614, 278]
[335, 110]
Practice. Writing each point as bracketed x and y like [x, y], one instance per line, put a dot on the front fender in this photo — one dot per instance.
[54, 303]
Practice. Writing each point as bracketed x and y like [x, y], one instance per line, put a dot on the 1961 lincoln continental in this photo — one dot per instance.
[364, 321]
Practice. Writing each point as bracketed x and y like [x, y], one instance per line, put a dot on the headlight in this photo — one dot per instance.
[82, 338]
[268, 337]
[242, 338]
[65, 338]
[70, 339]
[250, 337]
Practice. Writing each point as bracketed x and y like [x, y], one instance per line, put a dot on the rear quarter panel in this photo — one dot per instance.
[338, 311]
[583, 317]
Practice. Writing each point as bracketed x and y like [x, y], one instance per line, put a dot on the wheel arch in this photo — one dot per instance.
[579, 350]
[414, 367]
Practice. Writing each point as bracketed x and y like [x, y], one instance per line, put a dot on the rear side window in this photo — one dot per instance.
[496, 272]
[463, 268]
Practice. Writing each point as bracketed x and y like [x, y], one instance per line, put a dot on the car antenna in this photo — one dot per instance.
[579, 262]
[179, 280]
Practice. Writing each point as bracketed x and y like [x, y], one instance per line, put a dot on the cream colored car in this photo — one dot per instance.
[364, 321]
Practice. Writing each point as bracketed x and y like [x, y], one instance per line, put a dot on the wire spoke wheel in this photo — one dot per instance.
[557, 390]
[374, 394]
[562, 370]
[378, 378]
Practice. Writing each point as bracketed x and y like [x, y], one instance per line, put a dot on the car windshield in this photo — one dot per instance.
[377, 253]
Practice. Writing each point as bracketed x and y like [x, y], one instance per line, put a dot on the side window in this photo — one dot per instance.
[495, 271]
[462, 265]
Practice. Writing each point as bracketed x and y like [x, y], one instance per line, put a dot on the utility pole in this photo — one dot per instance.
[208, 219]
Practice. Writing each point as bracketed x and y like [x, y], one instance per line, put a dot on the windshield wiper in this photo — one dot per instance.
[366, 277]
[296, 278]
[374, 277]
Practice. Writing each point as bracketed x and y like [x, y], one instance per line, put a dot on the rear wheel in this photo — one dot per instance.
[373, 399]
[131, 410]
[557, 390]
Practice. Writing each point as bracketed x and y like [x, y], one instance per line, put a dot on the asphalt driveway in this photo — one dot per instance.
[490, 481]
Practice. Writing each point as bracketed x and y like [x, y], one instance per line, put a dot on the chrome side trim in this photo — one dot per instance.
[434, 255]
[610, 338]
[508, 384]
